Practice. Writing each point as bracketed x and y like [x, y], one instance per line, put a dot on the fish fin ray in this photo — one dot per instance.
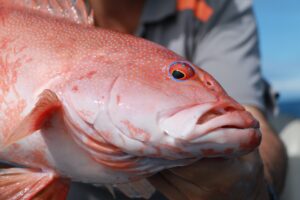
[25, 184]
[137, 189]
[47, 104]
[76, 11]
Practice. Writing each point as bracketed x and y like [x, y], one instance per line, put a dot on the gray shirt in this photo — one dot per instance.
[219, 36]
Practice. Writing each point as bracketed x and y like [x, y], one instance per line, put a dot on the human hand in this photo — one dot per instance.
[215, 179]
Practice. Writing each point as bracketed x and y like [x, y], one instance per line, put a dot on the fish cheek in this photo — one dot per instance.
[88, 97]
[134, 108]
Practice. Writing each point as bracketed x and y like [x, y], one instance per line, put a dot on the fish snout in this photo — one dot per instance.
[227, 114]
[222, 123]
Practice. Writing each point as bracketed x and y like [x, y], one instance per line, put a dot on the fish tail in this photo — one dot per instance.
[27, 184]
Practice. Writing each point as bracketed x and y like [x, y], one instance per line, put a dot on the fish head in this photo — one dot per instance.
[171, 108]
[148, 102]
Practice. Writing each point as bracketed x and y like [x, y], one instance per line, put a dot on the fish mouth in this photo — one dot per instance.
[234, 119]
[237, 128]
[218, 123]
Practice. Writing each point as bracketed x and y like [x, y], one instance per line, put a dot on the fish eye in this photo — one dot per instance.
[181, 71]
[177, 74]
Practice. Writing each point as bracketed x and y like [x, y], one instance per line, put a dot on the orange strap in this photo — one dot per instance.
[201, 9]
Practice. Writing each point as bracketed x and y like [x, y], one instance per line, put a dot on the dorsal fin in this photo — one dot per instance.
[75, 10]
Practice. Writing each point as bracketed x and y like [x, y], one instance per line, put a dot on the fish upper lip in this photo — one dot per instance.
[247, 120]
[206, 118]
[233, 120]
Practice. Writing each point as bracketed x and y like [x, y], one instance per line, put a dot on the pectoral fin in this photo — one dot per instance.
[28, 184]
[47, 104]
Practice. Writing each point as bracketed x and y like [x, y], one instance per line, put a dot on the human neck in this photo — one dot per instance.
[119, 15]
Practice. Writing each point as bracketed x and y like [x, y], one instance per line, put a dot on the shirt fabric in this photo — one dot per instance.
[220, 36]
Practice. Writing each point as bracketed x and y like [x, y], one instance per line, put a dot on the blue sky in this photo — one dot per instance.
[279, 28]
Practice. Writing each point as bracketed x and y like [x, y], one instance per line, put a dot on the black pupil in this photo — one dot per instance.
[177, 74]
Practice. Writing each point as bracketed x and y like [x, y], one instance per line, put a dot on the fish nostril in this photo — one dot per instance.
[208, 83]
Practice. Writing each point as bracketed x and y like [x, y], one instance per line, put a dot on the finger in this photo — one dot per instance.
[190, 190]
[166, 188]
[203, 172]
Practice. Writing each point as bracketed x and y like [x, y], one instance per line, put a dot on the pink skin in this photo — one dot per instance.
[123, 113]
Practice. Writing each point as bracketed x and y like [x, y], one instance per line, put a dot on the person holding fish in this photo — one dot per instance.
[103, 107]
[221, 37]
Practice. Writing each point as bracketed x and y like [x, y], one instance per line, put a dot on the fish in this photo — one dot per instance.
[79, 103]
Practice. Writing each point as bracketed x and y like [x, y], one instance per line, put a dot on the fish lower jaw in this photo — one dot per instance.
[241, 140]
[236, 120]
[223, 142]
